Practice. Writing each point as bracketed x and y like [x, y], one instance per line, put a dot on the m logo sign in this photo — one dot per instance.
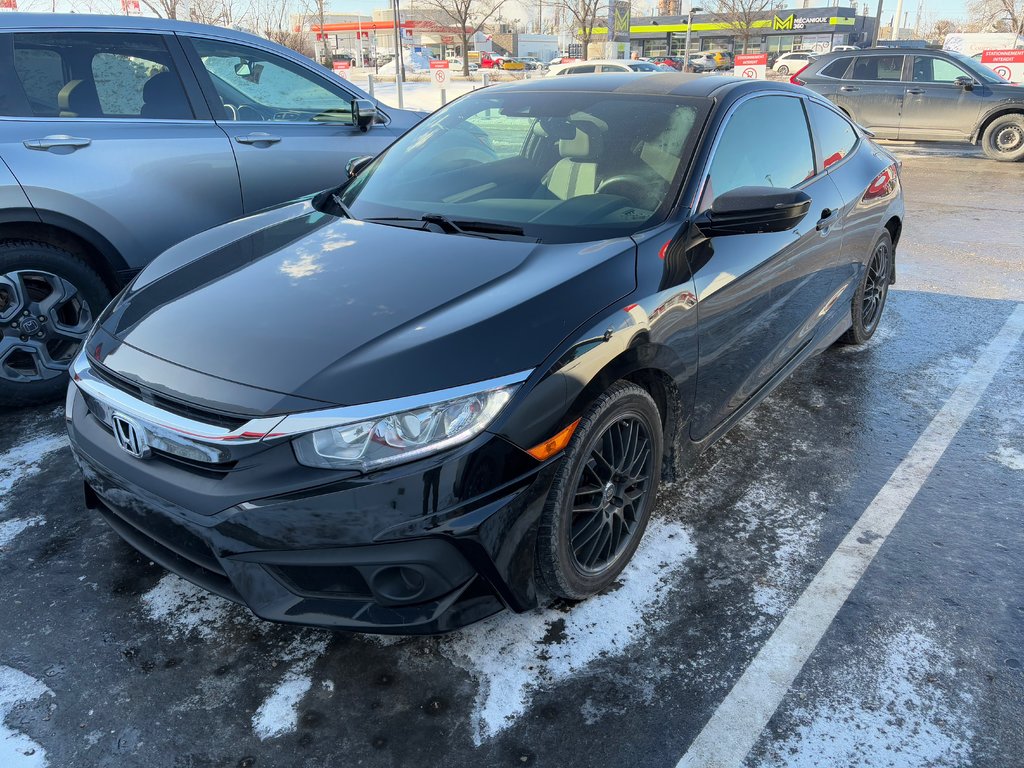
[786, 23]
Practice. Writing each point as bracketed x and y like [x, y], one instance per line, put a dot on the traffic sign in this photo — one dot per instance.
[1007, 64]
[751, 65]
[342, 67]
[439, 73]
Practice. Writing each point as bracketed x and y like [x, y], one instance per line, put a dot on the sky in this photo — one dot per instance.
[932, 9]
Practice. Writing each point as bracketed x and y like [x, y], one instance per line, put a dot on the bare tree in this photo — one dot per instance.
[315, 13]
[274, 20]
[998, 15]
[165, 9]
[584, 16]
[740, 15]
[467, 16]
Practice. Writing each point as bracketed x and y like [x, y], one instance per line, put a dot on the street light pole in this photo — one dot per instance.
[398, 57]
[686, 49]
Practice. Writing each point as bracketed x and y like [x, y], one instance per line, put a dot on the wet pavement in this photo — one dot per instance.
[105, 660]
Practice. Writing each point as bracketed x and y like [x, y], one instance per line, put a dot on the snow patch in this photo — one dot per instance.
[279, 713]
[190, 610]
[1009, 457]
[23, 461]
[513, 655]
[11, 528]
[16, 749]
[889, 710]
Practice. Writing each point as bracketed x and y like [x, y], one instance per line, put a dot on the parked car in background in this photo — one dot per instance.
[923, 95]
[793, 61]
[510, 64]
[448, 387]
[669, 61]
[120, 136]
[844, 48]
[532, 62]
[603, 65]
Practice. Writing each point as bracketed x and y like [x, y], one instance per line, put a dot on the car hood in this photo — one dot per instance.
[340, 311]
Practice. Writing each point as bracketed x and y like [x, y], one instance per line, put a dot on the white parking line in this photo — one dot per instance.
[733, 730]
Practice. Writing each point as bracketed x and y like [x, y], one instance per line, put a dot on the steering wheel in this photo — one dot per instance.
[258, 115]
[633, 188]
[232, 110]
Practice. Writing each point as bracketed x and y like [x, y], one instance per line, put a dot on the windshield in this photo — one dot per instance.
[980, 71]
[561, 166]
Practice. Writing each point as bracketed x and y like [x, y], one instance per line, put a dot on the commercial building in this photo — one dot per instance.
[817, 29]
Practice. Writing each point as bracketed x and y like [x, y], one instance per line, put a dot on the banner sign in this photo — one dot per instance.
[618, 21]
[439, 73]
[8, 5]
[1007, 64]
[751, 65]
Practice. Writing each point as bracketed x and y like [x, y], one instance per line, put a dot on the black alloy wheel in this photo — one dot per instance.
[603, 494]
[49, 300]
[1003, 139]
[869, 300]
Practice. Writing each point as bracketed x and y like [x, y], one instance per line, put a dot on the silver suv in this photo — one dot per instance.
[122, 136]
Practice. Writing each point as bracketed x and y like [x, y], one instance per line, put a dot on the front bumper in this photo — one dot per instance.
[420, 549]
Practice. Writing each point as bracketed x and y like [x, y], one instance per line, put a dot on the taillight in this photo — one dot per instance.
[884, 184]
[795, 79]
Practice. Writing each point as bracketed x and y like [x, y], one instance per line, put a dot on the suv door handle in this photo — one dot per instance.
[915, 90]
[849, 88]
[59, 140]
[258, 138]
[828, 218]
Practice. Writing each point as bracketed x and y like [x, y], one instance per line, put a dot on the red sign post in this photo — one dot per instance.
[1007, 64]
[439, 73]
[751, 65]
[342, 67]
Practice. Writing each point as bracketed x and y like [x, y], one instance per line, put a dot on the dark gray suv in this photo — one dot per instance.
[122, 136]
[923, 95]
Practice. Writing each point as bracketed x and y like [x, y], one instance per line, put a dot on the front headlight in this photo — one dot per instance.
[402, 436]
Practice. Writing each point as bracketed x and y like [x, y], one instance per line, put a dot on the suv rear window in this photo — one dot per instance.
[836, 68]
[878, 68]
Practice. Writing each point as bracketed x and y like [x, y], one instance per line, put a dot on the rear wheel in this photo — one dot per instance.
[603, 494]
[49, 299]
[1003, 139]
[783, 70]
[869, 300]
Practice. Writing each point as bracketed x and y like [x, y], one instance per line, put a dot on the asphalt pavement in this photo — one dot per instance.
[837, 584]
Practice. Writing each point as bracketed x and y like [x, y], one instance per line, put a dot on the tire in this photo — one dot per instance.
[869, 300]
[1003, 139]
[61, 296]
[783, 70]
[606, 536]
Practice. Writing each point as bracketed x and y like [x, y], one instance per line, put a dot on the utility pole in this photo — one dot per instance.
[398, 56]
[686, 45]
[878, 25]
[897, 19]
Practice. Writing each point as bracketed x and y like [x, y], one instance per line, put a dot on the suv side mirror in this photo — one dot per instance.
[356, 164]
[965, 82]
[752, 210]
[364, 114]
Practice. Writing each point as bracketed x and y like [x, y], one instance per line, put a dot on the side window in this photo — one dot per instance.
[836, 137]
[930, 69]
[41, 72]
[94, 74]
[766, 143]
[505, 135]
[613, 68]
[256, 85]
[586, 69]
[836, 68]
[878, 68]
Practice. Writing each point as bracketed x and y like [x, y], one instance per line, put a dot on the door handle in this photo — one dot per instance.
[56, 142]
[828, 218]
[849, 88]
[915, 90]
[258, 138]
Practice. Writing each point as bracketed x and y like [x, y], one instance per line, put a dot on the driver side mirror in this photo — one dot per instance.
[965, 82]
[364, 114]
[356, 164]
[752, 210]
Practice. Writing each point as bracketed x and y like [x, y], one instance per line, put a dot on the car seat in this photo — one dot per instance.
[78, 98]
[575, 174]
[163, 98]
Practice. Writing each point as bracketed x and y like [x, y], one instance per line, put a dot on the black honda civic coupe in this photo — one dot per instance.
[452, 384]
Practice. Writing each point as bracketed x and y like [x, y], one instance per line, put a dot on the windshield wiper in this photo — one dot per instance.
[331, 196]
[489, 229]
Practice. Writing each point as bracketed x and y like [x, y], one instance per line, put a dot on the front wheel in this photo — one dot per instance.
[603, 494]
[869, 300]
[49, 299]
[1003, 139]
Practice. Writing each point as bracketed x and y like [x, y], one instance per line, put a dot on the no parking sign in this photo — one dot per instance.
[439, 73]
[1007, 64]
[342, 67]
[751, 65]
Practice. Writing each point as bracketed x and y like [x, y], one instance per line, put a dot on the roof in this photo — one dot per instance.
[650, 83]
[53, 22]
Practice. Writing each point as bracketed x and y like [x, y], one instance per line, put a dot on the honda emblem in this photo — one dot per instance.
[130, 436]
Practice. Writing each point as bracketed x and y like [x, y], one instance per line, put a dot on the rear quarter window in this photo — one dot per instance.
[837, 68]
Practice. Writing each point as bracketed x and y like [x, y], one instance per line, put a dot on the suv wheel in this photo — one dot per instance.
[1003, 139]
[783, 70]
[49, 299]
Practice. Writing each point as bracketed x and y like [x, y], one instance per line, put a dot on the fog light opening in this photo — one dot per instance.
[399, 583]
